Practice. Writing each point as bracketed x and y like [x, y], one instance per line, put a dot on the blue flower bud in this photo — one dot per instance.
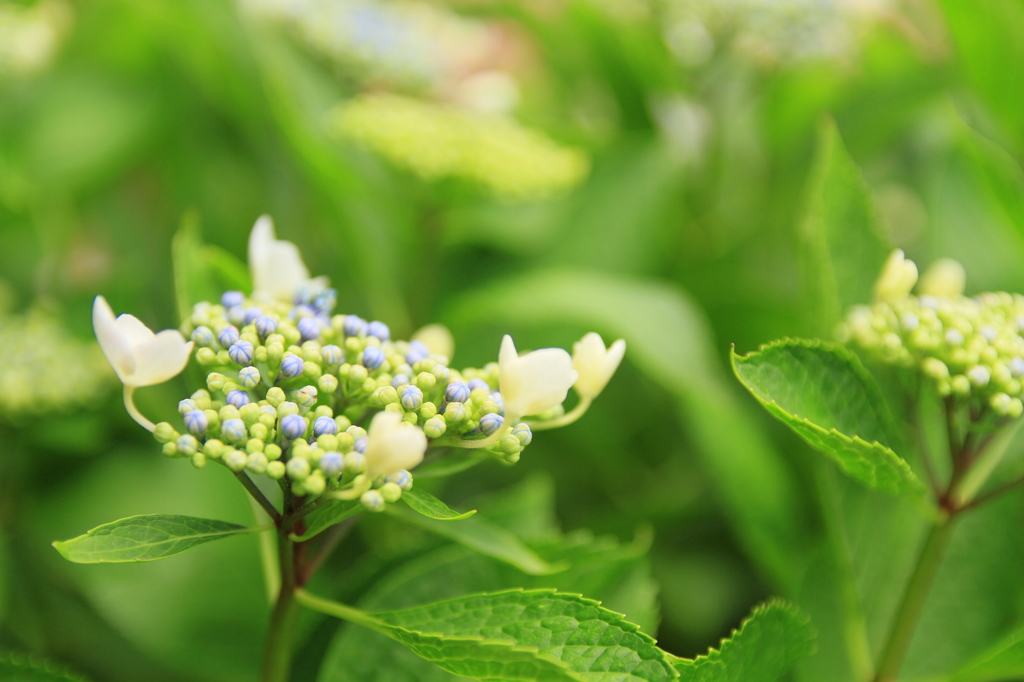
[196, 422]
[252, 314]
[227, 336]
[292, 366]
[478, 383]
[293, 426]
[324, 425]
[202, 336]
[298, 468]
[417, 352]
[403, 479]
[378, 329]
[411, 397]
[233, 430]
[373, 357]
[187, 405]
[523, 433]
[241, 352]
[187, 445]
[332, 355]
[353, 325]
[490, 423]
[325, 300]
[309, 328]
[265, 326]
[332, 463]
[249, 377]
[456, 393]
[237, 399]
[230, 299]
[499, 401]
[399, 381]
[373, 500]
[360, 444]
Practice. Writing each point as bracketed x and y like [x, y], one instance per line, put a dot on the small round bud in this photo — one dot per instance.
[425, 381]
[306, 396]
[206, 357]
[276, 396]
[315, 484]
[259, 430]
[357, 374]
[400, 380]
[344, 441]
[240, 352]
[417, 352]
[229, 412]
[456, 392]
[332, 355]
[455, 412]
[328, 384]
[272, 451]
[1001, 403]
[257, 462]
[379, 330]
[165, 433]
[265, 326]
[249, 377]
[230, 299]
[478, 383]
[170, 449]
[254, 445]
[402, 478]
[236, 460]
[292, 366]
[360, 444]
[387, 395]
[252, 314]
[391, 492]
[293, 426]
[327, 442]
[298, 468]
[238, 399]
[442, 373]
[353, 325]
[324, 425]
[435, 427]
[979, 375]
[428, 410]
[196, 422]
[187, 405]
[1016, 366]
[960, 385]
[954, 337]
[275, 470]
[355, 462]
[510, 445]
[236, 315]
[411, 397]
[490, 423]
[233, 430]
[198, 460]
[187, 445]
[523, 433]
[373, 501]
[935, 368]
[308, 328]
[331, 463]
[373, 357]
[215, 381]
[213, 448]
[227, 336]
[202, 336]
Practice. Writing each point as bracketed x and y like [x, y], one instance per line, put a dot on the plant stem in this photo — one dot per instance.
[914, 597]
[258, 495]
[277, 654]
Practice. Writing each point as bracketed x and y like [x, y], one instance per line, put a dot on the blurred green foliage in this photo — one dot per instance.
[739, 152]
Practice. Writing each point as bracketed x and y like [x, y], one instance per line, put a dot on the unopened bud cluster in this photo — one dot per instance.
[967, 348]
[289, 387]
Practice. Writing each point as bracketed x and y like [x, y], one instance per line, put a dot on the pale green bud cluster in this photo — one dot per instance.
[436, 141]
[45, 369]
[967, 348]
[290, 391]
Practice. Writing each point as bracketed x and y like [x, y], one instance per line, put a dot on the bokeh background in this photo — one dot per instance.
[643, 168]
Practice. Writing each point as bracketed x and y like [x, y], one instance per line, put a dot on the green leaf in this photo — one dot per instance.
[770, 641]
[191, 280]
[227, 269]
[844, 241]
[823, 393]
[145, 538]
[1004, 661]
[424, 503]
[330, 513]
[520, 636]
[484, 537]
[17, 668]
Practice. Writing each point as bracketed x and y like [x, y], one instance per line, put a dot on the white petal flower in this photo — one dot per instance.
[898, 277]
[945, 278]
[276, 265]
[535, 382]
[595, 364]
[140, 357]
[392, 445]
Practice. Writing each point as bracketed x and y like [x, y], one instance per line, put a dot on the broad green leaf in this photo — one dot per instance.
[770, 641]
[668, 339]
[484, 537]
[844, 242]
[332, 512]
[1004, 661]
[823, 393]
[422, 502]
[17, 668]
[453, 462]
[520, 635]
[145, 538]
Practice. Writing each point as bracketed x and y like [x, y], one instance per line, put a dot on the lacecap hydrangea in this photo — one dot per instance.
[970, 349]
[330, 404]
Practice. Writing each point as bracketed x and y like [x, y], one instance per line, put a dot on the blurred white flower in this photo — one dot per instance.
[898, 277]
[534, 382]
[392, 445]
[276, 265]
[595, 364]
[140, 357]
[437, 338]
[945, 278]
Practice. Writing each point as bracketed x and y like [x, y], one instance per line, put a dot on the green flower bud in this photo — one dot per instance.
[272, 451]
[455, 413]
[228, 412]
[315, 484]
[409, 417]
[327, 442]
[276, 396]
[343, 423]
[213, 448]
[425, 381]
[165, 433]
[170, 449]
[369, 386]
[254, 445]
[212, 417]
[267, 421]
[257, 462]
[935, 368]
[428, 410]
[260, 354]
[391, 492]
[287, 408]
[344, 442]
[275, 351]
[275, 470]
[206, 357]
[202, 399]
[236, 460]
[1001, 403]
[223, 357]
[323, 411]
[960, 385]
[249, 413]
[373, 500]
[198, 460]
[259, 430]
[298, 468]
[357, 375]
[435, 427]
[328, 384]
[187, 444]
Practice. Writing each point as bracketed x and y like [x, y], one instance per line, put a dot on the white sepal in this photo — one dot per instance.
[534, 382]
[140, 357]
[392, 445]
[595, 364]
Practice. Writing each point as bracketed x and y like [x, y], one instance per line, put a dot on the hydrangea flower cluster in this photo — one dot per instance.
[970, 349]
[331, 403]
